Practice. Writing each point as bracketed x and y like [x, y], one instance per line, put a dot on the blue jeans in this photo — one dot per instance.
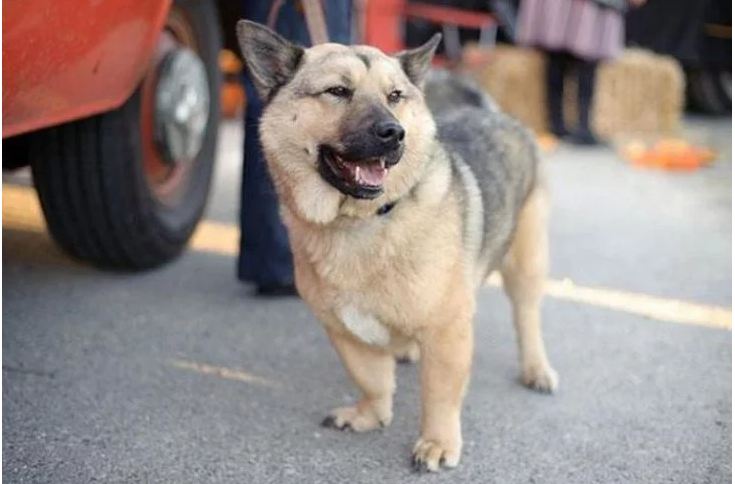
[265, 255]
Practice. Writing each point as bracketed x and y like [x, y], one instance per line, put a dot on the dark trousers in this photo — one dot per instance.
[265, 254]
[558, 64]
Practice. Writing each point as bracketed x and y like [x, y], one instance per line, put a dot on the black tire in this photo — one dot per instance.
[90, 178]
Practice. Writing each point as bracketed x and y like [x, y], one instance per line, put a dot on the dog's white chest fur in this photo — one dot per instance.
[364, 326]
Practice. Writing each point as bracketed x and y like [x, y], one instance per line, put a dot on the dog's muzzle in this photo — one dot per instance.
[360, 178]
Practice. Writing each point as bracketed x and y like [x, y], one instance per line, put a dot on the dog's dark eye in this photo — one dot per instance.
[395, 96]
[339, 91]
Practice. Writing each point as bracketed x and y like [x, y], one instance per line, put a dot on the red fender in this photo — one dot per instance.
[69, 59]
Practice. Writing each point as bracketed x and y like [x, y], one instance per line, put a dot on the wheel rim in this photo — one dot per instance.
[174, 111]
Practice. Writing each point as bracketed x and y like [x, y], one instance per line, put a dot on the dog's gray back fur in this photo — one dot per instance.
[498, 154]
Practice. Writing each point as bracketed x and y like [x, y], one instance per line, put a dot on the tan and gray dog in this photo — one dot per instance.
[396, 217]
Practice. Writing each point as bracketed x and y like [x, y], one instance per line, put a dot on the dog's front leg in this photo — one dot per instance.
[373, 371]
[445, 368]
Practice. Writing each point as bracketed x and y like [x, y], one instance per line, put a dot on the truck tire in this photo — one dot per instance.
[111, 192]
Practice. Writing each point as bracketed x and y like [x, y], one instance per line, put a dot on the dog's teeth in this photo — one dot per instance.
[382, 163]
[357, 173]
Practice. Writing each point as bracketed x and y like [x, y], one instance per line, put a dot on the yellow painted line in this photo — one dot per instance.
[216, 237]
[664, 309]
[673, 310]
[222, 372]
[21, 211]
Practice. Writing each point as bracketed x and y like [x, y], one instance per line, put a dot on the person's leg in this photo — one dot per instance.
[265, 255]
[556, 65]
[586, 71]
[339, 21]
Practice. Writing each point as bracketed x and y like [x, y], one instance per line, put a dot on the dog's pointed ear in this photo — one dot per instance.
[271, 59]
[416, 62]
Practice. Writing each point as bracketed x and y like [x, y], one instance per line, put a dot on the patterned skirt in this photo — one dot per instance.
[580, 27]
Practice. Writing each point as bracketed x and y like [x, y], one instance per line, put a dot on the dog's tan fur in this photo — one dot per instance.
[403, 285]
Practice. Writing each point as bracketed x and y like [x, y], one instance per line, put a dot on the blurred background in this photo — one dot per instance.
[131, 353]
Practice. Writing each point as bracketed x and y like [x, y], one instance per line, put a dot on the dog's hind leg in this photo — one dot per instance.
[524, 271]
[373, 371]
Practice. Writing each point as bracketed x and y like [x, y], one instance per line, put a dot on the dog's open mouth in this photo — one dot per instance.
[358, 178]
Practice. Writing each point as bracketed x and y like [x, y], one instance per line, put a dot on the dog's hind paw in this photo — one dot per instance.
[542, 379]
[430, 456]
[357, 418]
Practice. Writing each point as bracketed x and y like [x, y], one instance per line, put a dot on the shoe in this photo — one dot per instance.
[582, 138]
[560, 132]
[277, 290]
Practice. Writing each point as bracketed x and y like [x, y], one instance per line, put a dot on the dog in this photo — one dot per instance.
[397, 215]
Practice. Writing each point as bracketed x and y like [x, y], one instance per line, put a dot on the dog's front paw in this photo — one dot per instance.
[359, 418]
[430, 455]
[541, 378]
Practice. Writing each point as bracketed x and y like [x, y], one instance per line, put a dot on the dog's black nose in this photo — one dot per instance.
[389, 131]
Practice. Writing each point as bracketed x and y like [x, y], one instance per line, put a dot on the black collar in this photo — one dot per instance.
[385, 209]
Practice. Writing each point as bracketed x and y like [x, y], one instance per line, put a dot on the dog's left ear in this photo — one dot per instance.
[271, 59]
[416, 62]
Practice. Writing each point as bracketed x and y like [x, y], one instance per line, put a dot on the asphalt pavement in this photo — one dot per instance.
[181, 375]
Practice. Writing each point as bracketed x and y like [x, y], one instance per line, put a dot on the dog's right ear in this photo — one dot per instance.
[416, 62]
[271, 59]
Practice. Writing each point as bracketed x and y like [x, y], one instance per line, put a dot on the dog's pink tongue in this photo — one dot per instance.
[372, 174]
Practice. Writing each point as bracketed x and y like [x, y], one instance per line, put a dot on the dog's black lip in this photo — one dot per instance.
[328, 173]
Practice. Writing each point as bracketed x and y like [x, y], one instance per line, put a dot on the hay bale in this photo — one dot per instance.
[639, 92]
[514, 78]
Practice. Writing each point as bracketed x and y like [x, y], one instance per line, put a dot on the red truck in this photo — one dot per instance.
[115, 105]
